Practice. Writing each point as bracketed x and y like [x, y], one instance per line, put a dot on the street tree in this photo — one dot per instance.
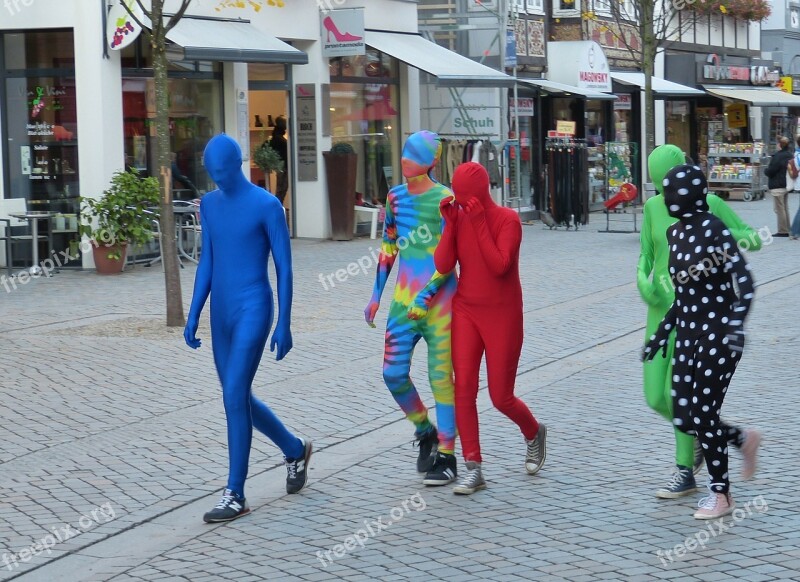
[156, 35]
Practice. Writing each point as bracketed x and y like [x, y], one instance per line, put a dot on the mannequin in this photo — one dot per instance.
[412, 229]
[242, 226]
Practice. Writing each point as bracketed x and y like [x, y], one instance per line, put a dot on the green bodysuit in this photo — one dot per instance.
[655, 286]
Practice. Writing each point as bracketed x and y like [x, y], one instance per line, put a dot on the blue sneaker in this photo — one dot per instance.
[681, 484]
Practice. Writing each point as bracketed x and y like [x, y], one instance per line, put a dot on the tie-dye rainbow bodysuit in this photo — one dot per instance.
[412, 230]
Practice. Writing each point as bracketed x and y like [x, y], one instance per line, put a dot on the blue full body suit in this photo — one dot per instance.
[242, 224]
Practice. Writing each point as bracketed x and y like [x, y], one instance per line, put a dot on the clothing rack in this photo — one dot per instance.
[567, 183]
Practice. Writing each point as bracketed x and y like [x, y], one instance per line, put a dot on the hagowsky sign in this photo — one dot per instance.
[582, 64]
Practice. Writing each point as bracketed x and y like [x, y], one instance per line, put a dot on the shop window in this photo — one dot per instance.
[602, 7]
[535, 6]
[364, 111]
[195, 117]
[39, 50]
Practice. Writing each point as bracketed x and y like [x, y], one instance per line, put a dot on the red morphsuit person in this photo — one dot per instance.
[484, 239]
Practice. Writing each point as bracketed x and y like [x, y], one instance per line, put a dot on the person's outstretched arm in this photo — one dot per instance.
[499, 254]
[278, 233]
[202, 286]
[386, 259]
[739, 229]
[660, 339]
[736, 265]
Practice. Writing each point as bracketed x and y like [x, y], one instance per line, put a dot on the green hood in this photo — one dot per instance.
[662, 160]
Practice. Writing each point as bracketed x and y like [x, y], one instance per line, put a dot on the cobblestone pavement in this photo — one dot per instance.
[112, 435]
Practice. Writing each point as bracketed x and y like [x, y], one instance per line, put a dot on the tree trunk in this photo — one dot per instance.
[649, 49]
[172, 277]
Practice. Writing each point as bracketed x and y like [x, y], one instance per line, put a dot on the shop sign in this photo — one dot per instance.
[121, 29]
[565, 127]
[623, 102]
[306, 112]
[592, 67]
[737, 115]
[785, 84]
[524, 107]
[714, 70]
[478, 113]
[761, 75]
[342, 32]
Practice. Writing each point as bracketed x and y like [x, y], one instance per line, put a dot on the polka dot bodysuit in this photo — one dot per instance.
[708, 315]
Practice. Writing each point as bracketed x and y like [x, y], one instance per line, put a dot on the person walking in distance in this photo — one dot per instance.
[242, 226]
[412, 229]
[484, 240]
[778, 186]
[657, 290]
[708, 317]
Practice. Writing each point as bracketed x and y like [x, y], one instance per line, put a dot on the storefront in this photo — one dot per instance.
[74, 113]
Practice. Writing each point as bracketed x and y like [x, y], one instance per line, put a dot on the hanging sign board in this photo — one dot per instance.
[121, 29]
[565, 127]
[343, 32]
[737, 115]
[524, 106]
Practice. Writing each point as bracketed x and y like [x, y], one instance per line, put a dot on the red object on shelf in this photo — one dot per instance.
[627, 192]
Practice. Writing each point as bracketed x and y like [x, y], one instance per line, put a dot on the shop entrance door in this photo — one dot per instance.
[269, 124]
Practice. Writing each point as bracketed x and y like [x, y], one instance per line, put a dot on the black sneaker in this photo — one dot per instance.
[297, 469]
[428, 443]
[681, 484]
[699, 459]
[444, 470]
[229, 508]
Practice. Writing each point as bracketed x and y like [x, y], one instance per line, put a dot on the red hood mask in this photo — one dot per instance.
[471, 180]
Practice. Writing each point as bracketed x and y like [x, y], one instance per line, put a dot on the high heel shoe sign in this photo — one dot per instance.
[343, 32]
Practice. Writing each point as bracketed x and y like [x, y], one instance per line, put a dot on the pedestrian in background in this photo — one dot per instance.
[778, 186]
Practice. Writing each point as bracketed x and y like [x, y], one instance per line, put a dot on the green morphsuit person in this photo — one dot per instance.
[656, 288]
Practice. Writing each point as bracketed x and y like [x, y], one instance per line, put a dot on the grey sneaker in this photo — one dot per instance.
[681, 484]
[297, 469]
[229, 508]
[536, 451]
[472, 480]
[699, 459]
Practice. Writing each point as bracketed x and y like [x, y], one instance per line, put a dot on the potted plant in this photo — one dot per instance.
[268, 160]
[119, 218]
[341, 164]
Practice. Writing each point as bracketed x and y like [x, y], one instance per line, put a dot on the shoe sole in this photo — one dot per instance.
[307, 458]
[676, 495]
[226, 520]
[716, 516]
[468, 490]
[536, 469]
[435, 483]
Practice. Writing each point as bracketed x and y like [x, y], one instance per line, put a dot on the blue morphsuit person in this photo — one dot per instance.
[242, 224]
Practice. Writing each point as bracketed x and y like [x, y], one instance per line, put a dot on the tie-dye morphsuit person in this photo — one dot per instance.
[412, 230]
[242, 225]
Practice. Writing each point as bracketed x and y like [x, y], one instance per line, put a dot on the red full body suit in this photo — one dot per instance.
[484, 239]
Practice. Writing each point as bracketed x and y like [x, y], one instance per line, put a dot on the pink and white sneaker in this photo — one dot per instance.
[752, 440]
[715, 505]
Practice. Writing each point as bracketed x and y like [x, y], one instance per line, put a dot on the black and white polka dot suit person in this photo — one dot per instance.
[708, 317]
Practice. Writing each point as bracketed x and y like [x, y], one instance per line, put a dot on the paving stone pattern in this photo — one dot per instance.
[105, 407]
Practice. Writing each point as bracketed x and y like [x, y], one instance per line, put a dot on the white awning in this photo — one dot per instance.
[759, 97]
[450, 69]
[560, 89]
[661, 87]
[207, 39]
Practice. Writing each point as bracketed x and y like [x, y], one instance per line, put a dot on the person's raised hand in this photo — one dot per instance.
[449, 210]
[474, 208]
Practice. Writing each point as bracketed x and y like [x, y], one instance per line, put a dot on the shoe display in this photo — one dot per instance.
[428, 443]
[443, 472]
[471, 481]
[229, 508]
[752, 440]
[699, 459]
[715, 505]
[681, 484]
[536, 451]
[297, 469]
